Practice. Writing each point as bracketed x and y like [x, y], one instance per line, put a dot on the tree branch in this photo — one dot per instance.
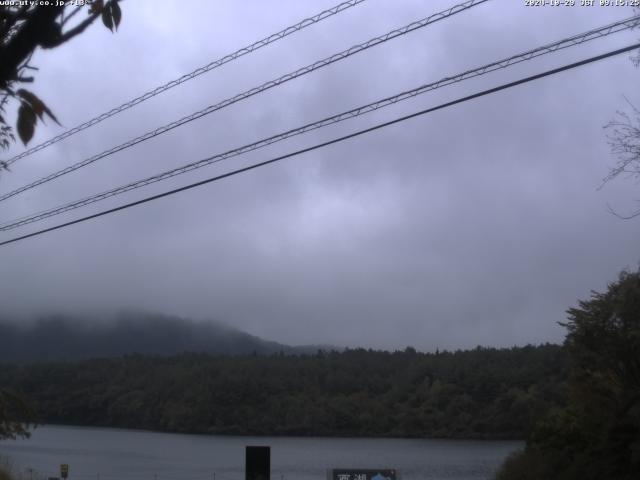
[11, 18]
[623, 217]
[30, 34]
[71, 15]
[78, 29]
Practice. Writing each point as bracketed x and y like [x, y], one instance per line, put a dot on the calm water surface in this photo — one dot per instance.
[112, 454]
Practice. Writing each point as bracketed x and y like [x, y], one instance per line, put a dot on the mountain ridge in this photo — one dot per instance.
[62, 337]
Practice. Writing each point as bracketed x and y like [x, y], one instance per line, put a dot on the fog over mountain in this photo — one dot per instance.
[65, 337]
[479, 224]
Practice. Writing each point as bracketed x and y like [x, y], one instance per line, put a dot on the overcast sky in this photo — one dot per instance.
[478, 224]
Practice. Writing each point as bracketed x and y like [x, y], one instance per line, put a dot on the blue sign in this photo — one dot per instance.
[362, 474]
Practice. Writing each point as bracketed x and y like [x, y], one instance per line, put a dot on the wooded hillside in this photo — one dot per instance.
[481, 393]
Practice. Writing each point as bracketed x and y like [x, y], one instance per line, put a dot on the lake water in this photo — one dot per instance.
[113, 454]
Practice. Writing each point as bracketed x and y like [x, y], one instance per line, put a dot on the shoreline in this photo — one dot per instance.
[486, 438]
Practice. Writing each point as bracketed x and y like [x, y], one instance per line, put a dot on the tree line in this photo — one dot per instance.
[577, 405]
[480, 393]
[596, 435]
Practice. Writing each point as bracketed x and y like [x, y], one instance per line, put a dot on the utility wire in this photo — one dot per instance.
[500, 64]
[199, 71]
[330, 142]
[254, 91]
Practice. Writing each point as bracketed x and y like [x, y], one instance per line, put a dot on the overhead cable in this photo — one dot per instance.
[254, 91]
[330, 142]
[195, 73]
[355, 112]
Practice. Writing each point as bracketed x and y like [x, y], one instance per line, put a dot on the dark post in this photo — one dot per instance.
[258, 463]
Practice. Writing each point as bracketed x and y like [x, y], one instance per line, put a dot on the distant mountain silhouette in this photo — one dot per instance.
[63, 337]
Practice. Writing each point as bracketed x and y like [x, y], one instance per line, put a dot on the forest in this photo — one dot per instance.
[577, 405]
[479, 393]
[597, 434]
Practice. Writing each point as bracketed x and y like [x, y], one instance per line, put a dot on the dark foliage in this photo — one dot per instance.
[15, 415]
[481, 393]
[597, 435]
[26, 27]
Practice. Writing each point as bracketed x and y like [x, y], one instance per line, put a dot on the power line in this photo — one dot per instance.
[195, 73]
[330, 142]
[254, 91]
[500, 64]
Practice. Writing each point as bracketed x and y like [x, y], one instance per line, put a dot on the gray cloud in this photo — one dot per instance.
[479, 224]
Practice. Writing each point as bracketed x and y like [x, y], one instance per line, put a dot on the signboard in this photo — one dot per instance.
[257, 463]
[363, 474]
[64, 470]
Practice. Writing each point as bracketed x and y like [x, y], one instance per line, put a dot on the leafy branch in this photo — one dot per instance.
[24, 28]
